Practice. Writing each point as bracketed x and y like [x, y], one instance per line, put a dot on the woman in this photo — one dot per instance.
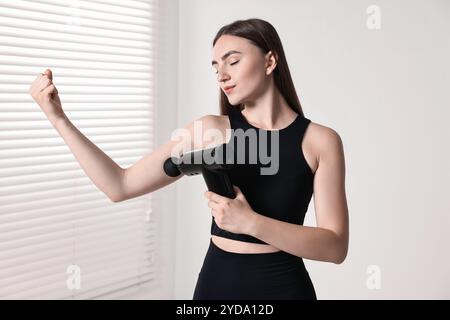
[258, 241]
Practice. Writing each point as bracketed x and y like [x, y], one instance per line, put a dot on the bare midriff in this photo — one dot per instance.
[236, 246]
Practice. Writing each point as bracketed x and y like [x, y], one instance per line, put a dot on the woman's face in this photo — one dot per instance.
[245, 68]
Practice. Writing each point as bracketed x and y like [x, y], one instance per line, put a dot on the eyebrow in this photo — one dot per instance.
[225, 56]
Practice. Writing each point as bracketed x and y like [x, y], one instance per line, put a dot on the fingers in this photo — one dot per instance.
[215, 212]
[49, 73]
[42, 78]
[213, 205]
[43, 83]
[50, 90]
[213, 196]
[34, 83]
[39, 84]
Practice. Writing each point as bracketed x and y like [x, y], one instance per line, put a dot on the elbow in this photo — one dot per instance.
[338, 249]
[118, 193]
[116, 199]
[340, 254]
[339, 259]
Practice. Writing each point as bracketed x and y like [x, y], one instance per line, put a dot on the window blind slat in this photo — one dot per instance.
[26, 165]
[77, 90]
[99, 106]
[11, 230]
[50, 267]
[33, 116]
[15, 154]
[59, 280]
[57, 290]
[87, 209]
[51, 249]
[82, 35]
[78, 72]
[13, 241]
[71, 168]
[21, 9]
[143, 5]
[92, 6]
[74, 8]
[93, 64]
[93, 132]
[43, 49]
[114, 290]
[109, 140]
[48, 250]
[25, 161]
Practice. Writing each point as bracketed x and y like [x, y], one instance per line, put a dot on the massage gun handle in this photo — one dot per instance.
[219, 182]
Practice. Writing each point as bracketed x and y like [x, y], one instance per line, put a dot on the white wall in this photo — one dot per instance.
[384, 92]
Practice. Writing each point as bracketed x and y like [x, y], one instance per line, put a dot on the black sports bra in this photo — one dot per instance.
[280, 189]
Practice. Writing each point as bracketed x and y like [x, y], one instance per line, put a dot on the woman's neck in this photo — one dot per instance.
[270, 111]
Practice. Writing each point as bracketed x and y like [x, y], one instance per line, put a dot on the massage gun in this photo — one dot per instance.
[215, 173]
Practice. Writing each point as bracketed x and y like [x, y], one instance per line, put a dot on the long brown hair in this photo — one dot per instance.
[263, 35]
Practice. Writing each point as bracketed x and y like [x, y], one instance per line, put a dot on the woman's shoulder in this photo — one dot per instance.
[323, 139]
[210, 120]
[322, 132]
[220, 122]
[213, 128]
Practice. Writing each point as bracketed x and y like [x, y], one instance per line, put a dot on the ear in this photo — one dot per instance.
[271, 61]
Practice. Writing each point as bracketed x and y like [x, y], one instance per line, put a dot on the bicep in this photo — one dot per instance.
[330, 202]
[147, 174]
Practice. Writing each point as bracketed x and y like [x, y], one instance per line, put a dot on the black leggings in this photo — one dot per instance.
[273, 275]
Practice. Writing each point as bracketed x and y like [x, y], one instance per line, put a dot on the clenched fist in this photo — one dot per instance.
[46, 95]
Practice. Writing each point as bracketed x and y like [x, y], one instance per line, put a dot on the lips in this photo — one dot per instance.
[228, 89]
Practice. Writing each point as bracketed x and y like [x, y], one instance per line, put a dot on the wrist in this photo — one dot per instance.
[255, 223]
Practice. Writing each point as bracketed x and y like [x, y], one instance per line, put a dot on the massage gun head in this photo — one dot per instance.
[170, 168]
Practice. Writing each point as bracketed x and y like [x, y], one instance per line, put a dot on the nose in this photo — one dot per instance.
[221, 76]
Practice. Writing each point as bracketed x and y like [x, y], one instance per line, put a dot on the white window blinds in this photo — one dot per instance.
[60, 236]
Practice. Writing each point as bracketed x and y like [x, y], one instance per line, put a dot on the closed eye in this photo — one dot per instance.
[231, 64]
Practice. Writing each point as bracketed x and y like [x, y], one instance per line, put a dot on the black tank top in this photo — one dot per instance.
[284, 195]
